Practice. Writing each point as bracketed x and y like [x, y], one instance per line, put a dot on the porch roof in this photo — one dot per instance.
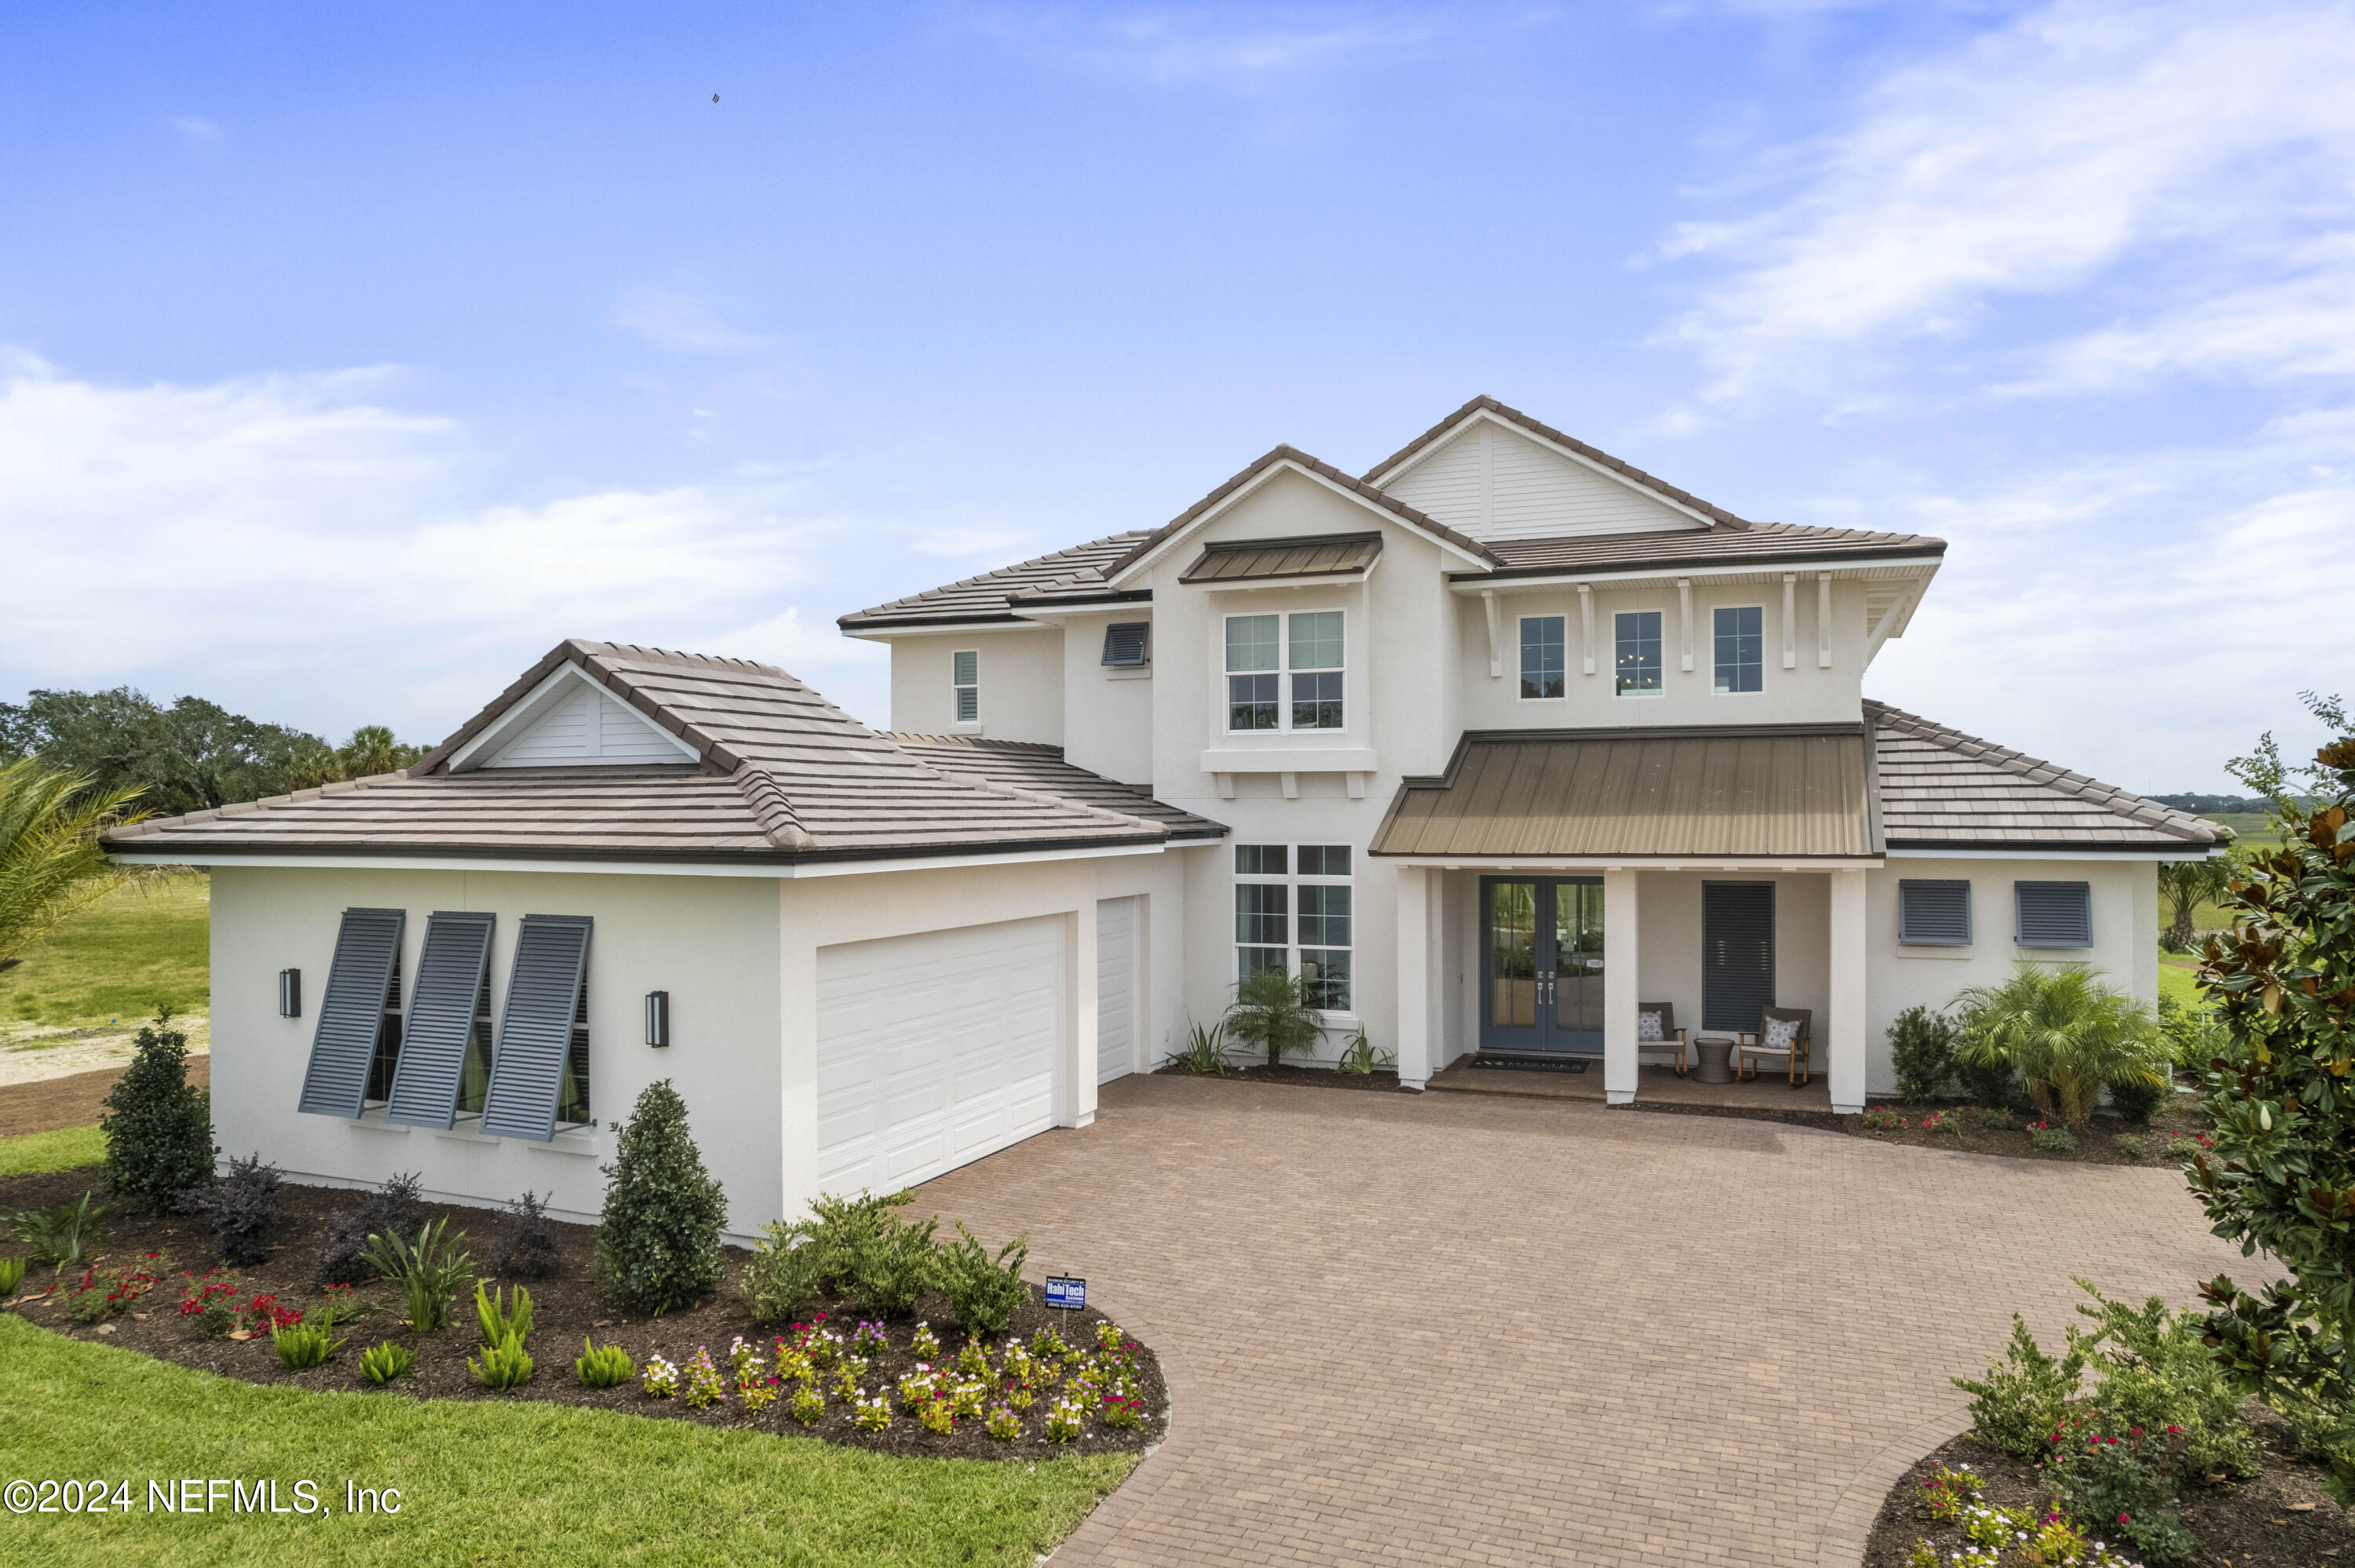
[1800, 791]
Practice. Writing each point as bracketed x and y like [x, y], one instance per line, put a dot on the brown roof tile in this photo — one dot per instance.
[1025, 765]
[1759, 543]
[985, 598]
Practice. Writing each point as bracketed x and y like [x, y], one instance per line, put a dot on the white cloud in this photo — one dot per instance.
[1180, 49]
[295, 547]
[683, 324]
[196, 130]
[2199, 159]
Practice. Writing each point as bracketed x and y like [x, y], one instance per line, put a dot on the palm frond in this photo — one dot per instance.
[51, 863]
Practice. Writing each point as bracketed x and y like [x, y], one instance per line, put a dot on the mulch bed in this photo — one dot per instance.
[1381, 1080]
[2278, 1519]
[566, 1306]
[2170, 1138]
[77, 1099]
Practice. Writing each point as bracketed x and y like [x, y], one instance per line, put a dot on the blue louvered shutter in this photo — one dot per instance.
[552, 957]
[1934, 914]
[351, 1013]
[1737, 970]
[2055, 913]
[439, 1017]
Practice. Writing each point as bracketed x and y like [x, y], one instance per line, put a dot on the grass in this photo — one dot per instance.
[139, 947]
[493, 1483]
[2178, 980]
[67, 1148]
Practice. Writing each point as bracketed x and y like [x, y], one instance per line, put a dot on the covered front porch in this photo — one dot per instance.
[1655, 1086]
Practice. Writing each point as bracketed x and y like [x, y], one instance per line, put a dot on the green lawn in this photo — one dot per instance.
[2179, 980]
[67, 1148]
[138, 949]
[487, 1483]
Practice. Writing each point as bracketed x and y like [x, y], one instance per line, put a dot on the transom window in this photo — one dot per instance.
[1294, 913]
[1636, 672]
[964, 681]
[1741, 648]
[1266, 652]
[1542, 656]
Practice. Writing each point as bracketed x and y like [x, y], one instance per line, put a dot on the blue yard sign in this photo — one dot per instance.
[1067, 1295]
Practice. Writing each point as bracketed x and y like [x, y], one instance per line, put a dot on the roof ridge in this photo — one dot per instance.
[976, 741]
[1483, 403]
[978, 577]
[771, 804]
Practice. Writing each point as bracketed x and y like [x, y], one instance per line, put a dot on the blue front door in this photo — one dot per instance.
[1541, 964]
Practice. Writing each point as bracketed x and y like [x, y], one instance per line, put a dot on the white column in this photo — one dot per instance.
[1078, 1108]
[1823, 620]
[1586, 621]
[1844, 1034]
[1790, 620]
[1413, 969]
[1684, 614]
[1490, 608]
[1621, 990]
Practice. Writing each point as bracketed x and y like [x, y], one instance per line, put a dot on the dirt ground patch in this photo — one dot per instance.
[77, 1100]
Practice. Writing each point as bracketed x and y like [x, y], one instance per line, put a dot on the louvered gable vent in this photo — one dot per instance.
[441, 1015]
[552, 957]
[1126, 643]
[1934, 914]
[351, 1013]
[2055, 913]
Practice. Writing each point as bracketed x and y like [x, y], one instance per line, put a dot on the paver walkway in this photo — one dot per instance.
[1451, 1328]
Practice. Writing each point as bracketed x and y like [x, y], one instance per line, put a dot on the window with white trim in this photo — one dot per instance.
[964, 682]
[1635, 670]
[1295, 911]
[1741, 637]
[1286, 672]
[1544, 655]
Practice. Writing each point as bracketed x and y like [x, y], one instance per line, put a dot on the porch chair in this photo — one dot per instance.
[1782, 1035]
[1656, 1030]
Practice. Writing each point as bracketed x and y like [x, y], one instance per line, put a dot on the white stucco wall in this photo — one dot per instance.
[1109, 728]
[1021, 684]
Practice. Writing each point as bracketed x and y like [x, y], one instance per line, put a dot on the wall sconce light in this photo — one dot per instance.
[657, 1017]
[290, 994]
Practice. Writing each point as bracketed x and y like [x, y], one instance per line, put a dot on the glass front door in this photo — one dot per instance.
[1541, 964]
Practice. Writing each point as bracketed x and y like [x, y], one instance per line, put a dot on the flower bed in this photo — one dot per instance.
[2173, 1134]
[918, 1386]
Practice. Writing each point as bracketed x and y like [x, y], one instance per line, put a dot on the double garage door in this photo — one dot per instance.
[934, 1050]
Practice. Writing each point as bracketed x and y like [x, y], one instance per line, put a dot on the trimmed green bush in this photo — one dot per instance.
[158, 1128]
[1922, 1047]
[384, 1362]
[658, 1241]
[604, 1366]
[2024, 1397]
[982, 1290]
[502, 1366]
[11, 1276]
[2135, 1099]
[786, 1272]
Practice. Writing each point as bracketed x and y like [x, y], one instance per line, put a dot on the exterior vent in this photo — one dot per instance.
[1934, 914]
[1128, 645]
[2055, 913]
[352, 1012]
[441, 1017]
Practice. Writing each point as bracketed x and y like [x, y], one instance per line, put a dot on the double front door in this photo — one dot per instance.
[1541, 964]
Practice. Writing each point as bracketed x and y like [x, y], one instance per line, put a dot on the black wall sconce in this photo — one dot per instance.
[290, 994]
[657, 1017]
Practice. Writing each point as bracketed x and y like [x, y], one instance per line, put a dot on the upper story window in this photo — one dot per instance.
[1267, 653]
[1128, 644]
[964, 681]
[1741, 648]
[1636, 670]
[1542, 656]
[1293, 912]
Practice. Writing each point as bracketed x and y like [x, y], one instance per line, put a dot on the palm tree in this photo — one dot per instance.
[1271, 1011]
[2067, 1031]
[372, 750]
[2186, 885]
[50, 861]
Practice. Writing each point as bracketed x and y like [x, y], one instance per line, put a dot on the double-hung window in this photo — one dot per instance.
[1741, 648]
[1542, 656]
[1294, 913]
[1635, 670]
[965, 685]
[1286, 672]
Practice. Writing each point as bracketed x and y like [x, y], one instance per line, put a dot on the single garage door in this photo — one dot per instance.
[934, 1050]
[1116, 1022]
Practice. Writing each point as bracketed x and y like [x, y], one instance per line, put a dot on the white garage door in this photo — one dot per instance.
[1116, 1021]
[934, 1050]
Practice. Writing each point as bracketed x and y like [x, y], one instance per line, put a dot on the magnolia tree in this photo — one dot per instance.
[2281, 1177]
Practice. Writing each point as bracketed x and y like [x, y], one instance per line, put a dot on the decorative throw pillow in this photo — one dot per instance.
[1647, 1027]
[1781, 1034]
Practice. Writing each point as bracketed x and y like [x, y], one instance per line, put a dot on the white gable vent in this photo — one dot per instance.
[572, 722]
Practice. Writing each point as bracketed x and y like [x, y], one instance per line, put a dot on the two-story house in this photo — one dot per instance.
[1500, 746]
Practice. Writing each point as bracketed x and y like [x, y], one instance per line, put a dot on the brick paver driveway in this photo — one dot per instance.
[1440, 1329]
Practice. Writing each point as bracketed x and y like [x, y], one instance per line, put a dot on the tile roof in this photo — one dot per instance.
[985, 598]
[783, 775]
[1242, 560]
[1592, 454]
[1025, 765]
[1759, 543]
[1942, 788]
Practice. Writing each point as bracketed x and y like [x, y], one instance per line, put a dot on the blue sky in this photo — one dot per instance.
[348, 363]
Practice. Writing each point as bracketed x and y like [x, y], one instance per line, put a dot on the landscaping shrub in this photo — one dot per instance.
[1883, 1118]
[2024, 1397]
[604, 1366]
[385, 1362]
[858, 1245]
[1205, 1050]
[502, 1320]
[2135, 1099]
[982, 1290]
[526, 1244]
[502, 1366]
[784, 1275]
[302, 1345]
[2156, 1372]
[158, 1128]
[658, 1240]
[1985, 1083]
[1361, 1058]
[429, 1272]
[391, 1210]
[1922, 1043]
[1273, 1013]
[2115, 1470]
[2127, 1144]
[63, 1234]
[891, 1265]
[1995, 1119]
[2066, 1031]
[12, 1277]
[242, 1207]
[2192, 1036]
[2049, 1139]
[105, 1289]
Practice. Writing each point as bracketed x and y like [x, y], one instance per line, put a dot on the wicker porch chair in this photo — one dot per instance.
[1672, 1039]
[1750, 1044]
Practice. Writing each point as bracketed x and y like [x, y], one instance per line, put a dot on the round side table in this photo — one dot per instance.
[1714, 1060]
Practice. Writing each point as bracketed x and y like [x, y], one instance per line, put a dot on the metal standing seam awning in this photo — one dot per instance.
[1794, 794]
[1249, 560]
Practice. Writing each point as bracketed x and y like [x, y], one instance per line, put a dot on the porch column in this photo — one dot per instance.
[1413, 971]
[1078, 1106]
[1621, 990]
[1844, 1039]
